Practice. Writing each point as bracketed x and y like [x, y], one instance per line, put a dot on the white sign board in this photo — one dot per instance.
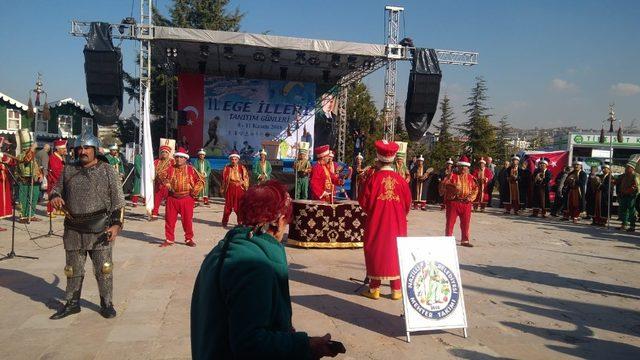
[431, 284]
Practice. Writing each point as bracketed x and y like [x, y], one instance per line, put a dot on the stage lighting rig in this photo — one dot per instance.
[172, 52]
[314, 60]
[351, 62]
[335, 60]
[301, 58]
[259, 56]
[275, 56]
[127, 22]
[227, 51]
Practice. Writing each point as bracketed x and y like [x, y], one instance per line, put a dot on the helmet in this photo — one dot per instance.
[87, 139]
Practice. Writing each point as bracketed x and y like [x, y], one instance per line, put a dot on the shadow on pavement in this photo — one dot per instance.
[322, 281]
[554, 280]
[583, 316]
[352, 313]
[37, 289]
[140, 236]
[474, 355]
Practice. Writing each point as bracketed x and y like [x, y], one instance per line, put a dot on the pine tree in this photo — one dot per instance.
[478, 129]
[446, 146]
[362, 116]
[503, 148]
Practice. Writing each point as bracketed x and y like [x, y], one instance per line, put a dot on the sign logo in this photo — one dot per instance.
[433, 290]
[578, 139]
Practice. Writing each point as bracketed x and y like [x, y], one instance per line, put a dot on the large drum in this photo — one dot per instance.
[317, 224]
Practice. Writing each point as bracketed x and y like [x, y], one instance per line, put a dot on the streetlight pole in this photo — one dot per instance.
[611, 119]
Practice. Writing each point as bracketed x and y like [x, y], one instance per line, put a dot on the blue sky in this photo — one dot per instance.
[546, 63]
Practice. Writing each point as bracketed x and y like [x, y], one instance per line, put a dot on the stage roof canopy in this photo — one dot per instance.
[257, 56]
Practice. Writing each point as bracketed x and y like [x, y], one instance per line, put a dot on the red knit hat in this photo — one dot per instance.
[60, 143]
[322, 151]
[464, 161]
[386, 150]
[181, 153]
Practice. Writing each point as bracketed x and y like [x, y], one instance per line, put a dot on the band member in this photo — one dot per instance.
[29, 176]
[136, 192]
[524, 185]
[90, 194]
[302, 167]
[386, 198]
[460, 190]
[419, 185]
[356, 175]
[514, 176]
[323, 182]
[114, 159]
[401, 168]
[261, 168]
[484, 176]
[559, 200]
[593, 183]
[628, 183]
[540, 197]
[603, 198]
[6, 201]
[444, 173]
[56, 165]
[503, 183]
[574, 188]
[184, 184]
[204, 169]
[235, 181]
[162, 164]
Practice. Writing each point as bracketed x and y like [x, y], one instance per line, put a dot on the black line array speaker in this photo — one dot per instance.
[104, 74]
[423, 92]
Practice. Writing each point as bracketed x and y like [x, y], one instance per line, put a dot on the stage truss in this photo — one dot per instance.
[144, 33]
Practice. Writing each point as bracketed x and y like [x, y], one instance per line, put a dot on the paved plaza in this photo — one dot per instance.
[534, 289]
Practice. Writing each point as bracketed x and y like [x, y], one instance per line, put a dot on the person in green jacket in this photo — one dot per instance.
[241, 307]
[203, 168]
[114, 160]
[261, 171]
[628, 184]
[137, 179]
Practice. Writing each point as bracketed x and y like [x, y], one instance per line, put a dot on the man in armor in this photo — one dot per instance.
[90, 194]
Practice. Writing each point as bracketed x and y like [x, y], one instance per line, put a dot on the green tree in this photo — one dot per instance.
[478, 129]
[503, 147]
[362, 116]
[446, 146]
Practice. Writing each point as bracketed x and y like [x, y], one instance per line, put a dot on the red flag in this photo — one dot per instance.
[191, 100]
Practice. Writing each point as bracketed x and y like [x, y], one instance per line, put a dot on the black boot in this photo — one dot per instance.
[106, 310]
[71, 307]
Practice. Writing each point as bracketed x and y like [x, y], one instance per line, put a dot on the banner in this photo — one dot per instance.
[191, 101]
[244, 114]
[431, 284]
[557, 161]
[148, 170]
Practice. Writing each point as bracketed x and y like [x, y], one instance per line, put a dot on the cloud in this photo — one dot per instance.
[560, 85]
[625, 89]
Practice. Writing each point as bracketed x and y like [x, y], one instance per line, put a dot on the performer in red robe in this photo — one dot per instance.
[483, 176]
[183, 183]
[323, 182]
[160, 192]
[56, 165]
[460, 190]
[6, 203]
[235, 181]
[386, 198]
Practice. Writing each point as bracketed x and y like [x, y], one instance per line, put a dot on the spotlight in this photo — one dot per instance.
[204, 51]
[202, 67]
[300, 58]
[227, 52]
[259, 56]
[325, 76]
[351, 61]
[283, 73]
[335, 60]
[367, 64]
[314, 60]
[275, 56]
[242, 69]
[172, 52]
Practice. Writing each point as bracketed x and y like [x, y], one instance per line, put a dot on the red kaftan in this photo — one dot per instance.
[235, 181]
[386, 198]
[483, 185]
[322, 181]
[56, 165]
[6, 208]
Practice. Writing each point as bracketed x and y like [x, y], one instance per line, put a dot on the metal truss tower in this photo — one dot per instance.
[394, 52]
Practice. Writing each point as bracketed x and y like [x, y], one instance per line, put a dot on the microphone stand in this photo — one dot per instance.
[12, 254]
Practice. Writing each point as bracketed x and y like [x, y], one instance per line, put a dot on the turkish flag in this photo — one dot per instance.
[558, 160]
[191, 101]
